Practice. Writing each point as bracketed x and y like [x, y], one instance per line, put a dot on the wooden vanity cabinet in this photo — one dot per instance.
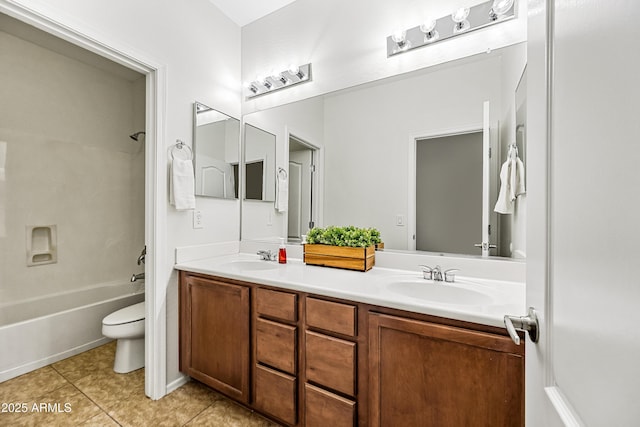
[315, 361]
[215, 334]
[276, 354]
[429, 374]
[331, 363]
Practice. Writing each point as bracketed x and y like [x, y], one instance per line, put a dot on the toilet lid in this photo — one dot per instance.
[133, 313]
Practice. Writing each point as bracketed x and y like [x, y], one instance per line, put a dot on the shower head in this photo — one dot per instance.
[136, 135]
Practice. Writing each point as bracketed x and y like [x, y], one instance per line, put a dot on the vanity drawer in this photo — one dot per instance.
[332, 316]
[323, 408]
[276, 345]
[275, 394]
[279, 305]
[331, 362]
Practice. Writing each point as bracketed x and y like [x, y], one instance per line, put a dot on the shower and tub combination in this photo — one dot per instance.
[41, 329]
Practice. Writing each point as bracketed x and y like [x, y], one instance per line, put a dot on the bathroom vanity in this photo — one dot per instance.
[277, 340]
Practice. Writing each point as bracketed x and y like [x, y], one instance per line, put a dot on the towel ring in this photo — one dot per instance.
[180, 145]
[282, 174]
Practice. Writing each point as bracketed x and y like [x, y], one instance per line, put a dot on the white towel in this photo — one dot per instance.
[511, 184]
[282, 194]
[504, 205]
[182, 185]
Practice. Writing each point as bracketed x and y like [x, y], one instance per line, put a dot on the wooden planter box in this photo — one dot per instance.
[361, 259]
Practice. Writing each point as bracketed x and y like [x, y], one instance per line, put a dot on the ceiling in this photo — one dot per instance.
[243, 12]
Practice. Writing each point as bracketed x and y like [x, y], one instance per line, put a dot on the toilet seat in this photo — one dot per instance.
[133, 313]
[127, 322]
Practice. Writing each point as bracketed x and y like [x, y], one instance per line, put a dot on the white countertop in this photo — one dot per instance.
[378, 286]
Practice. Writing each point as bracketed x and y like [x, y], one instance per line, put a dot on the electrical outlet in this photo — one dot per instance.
[400, 220]
[197, 219]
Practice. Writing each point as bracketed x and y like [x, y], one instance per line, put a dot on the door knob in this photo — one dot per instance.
[528, 323]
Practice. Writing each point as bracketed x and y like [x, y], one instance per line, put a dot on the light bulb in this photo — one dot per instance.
[399, 37]
[500, 8]
[428, 28]
[252, 87]
[460, 18]
[263, 81]
[294, 70]
[278, 77]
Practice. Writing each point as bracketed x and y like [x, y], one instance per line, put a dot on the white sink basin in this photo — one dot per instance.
[440, 292]
[250, 265]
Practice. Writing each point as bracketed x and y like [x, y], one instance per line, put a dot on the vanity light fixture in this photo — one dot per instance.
[465, 20]
[279, 80]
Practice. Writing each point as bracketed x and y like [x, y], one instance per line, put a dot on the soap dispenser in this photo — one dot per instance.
[282, 252]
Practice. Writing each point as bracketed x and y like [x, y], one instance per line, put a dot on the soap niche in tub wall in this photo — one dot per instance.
[42, 247]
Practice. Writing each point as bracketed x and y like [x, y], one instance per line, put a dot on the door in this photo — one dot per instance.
[581, 274]
[301, 187]
[444, 223]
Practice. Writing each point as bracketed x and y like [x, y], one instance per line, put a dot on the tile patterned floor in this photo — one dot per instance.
[84, 391]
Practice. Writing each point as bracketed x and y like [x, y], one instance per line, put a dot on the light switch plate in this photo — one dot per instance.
[197, 219]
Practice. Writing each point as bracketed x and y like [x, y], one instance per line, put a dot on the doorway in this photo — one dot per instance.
[449, 193]
[302, 189]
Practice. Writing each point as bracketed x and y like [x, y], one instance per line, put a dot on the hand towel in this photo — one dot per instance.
[182, 185]
[518, 184]
[504, 205]
[282, 194]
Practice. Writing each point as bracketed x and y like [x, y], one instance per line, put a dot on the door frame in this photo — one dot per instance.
[317, 178]
[157, 267]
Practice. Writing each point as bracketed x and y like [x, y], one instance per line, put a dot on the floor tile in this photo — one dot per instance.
[225, 413]
[100, 420]
[108, 388]
[31, 385]
[86, 363]
[175, 409]
[65, 406]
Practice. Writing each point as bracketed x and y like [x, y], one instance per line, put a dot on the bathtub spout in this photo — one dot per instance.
[137, 277]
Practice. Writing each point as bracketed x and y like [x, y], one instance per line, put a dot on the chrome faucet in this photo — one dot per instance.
[137, 277]
[142, 256]
[268, 255]
[437, 275]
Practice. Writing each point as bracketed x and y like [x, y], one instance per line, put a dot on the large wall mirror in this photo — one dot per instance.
[215, 139]
[378, 145]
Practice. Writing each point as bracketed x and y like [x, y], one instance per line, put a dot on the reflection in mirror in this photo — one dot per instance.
[259, 164]
[215, 139]
[368, 138]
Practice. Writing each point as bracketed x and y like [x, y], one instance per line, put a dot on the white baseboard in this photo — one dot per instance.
[176, 384]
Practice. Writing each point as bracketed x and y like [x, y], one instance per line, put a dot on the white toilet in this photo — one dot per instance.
[127, 326]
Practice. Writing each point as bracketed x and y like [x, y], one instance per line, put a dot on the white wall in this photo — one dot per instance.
[200, 48]
[346, 43]
[69, 163]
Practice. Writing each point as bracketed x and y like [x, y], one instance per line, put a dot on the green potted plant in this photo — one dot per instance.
[348, 247]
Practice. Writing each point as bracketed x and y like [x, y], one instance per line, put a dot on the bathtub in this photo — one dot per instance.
[37, 332]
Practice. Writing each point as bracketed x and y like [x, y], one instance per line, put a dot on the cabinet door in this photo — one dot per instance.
[215, 335]
[425, 374]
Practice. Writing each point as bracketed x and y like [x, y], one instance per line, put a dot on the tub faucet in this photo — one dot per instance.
[137, 277]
